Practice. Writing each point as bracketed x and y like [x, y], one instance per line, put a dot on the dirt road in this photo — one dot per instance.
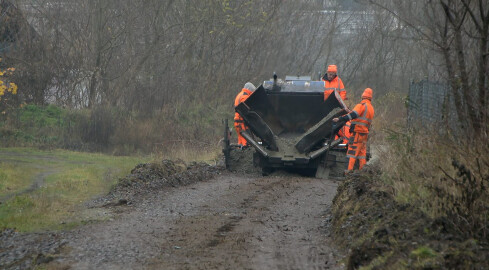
[229, 222]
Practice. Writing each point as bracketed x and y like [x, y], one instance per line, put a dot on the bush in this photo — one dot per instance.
[99, 127]
[463, 198]
[110, 129]
[443, 176]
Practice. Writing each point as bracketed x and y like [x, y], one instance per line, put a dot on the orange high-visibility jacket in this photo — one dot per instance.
[365, 113]
[241, 97]
[334, 84]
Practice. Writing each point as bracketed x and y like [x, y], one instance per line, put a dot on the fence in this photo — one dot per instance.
[431, 104]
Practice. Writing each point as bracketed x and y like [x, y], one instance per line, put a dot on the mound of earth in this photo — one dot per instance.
[167, 173]
[383, 234]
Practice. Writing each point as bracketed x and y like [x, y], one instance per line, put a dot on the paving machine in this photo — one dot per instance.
[290, 127]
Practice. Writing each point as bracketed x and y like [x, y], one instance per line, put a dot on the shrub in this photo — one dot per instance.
[443, 176]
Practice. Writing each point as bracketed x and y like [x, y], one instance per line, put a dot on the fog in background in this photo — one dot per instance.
[155, 58]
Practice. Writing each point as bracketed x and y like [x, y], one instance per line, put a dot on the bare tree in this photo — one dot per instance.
[456, 29]
[176, 57]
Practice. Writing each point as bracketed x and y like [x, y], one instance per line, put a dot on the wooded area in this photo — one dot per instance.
[136, 63]
[156, 79]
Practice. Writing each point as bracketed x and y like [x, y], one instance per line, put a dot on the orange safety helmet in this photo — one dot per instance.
[332, 68]
[367, 94]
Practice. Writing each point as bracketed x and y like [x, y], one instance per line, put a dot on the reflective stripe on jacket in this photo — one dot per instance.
[365, 112]
[334, 84]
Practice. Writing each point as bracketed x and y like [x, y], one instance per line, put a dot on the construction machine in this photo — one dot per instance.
[290, 127]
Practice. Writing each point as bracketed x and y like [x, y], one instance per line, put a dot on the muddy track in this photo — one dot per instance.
[229, 222]
[37, 182]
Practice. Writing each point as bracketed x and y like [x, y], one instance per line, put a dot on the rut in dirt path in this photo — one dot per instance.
[37, 182]
[230, 222]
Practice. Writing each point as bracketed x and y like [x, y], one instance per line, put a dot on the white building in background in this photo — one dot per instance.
[336, 4]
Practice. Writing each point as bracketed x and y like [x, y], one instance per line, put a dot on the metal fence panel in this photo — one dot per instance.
[431, 105]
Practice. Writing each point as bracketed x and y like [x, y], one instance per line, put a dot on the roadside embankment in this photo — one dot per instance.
[379, 233]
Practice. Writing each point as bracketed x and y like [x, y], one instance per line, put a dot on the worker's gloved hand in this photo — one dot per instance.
[336, 119]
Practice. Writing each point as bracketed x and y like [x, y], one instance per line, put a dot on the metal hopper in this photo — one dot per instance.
[290, 122]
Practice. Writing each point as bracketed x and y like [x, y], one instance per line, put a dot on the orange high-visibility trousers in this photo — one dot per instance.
[357, 149]
[240, 126]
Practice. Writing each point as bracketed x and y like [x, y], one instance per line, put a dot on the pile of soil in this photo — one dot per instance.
[167, 173]
[380, 233]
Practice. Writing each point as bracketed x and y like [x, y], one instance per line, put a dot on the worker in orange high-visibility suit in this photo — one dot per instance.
[333, 83]
[344, 133]
[361, 119]
[238, 120]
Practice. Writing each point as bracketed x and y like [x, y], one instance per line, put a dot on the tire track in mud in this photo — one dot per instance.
[294, 234]
[260, 229]
[37, 182]
[230, 222]
[38, 179]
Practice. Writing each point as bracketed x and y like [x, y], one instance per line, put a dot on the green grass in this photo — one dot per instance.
[426, 258]
[39, 116]
[15, 177]
[34, 125]
[69, 179]
[424, 252]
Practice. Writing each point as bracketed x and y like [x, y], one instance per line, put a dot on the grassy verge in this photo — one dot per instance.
[442, 176]
[67, 179]
[423, 205]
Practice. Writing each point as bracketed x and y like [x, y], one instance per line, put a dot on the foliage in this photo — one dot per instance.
[40, 116]
[184, 70]
[455, 37]
[442, 176]
[7, 87]
[423, 205]
[34, 125]
[463, 198]
[114, 130]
